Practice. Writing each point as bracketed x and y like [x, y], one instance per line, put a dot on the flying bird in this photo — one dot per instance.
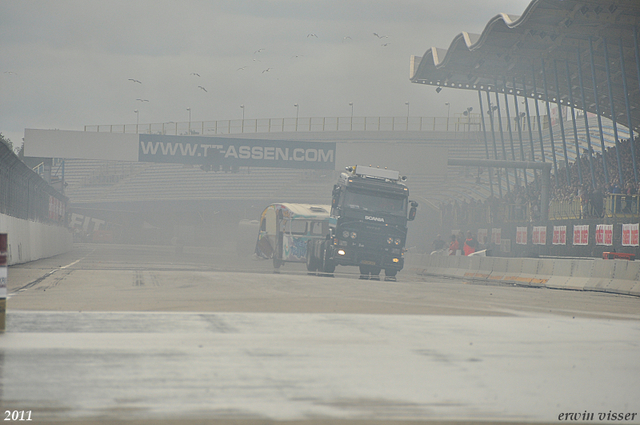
[258, 51]
[346, 38]
[380, 36]
[385, 44]
[203, 89]
[195, 73]
[135, 81]
[312, 35]
[240, 69]
[10, 73]
[267, 70]
[142, 100]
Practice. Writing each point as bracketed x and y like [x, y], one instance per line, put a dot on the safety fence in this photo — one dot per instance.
[25, 195]
[616, 206]
[457, 123]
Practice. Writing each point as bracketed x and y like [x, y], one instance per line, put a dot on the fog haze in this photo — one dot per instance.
[67, 64]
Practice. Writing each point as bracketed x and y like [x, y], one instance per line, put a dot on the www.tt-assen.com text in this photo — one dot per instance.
[240, 152]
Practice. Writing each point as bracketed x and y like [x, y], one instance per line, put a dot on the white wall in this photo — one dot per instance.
[30, 240]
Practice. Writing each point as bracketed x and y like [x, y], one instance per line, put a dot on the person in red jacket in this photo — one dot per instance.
[470, 244]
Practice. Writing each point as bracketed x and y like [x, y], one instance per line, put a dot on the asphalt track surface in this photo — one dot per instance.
[139, 335]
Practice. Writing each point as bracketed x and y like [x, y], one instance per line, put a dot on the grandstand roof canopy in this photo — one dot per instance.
[513, 51]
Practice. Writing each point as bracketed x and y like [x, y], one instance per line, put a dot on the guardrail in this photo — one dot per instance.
[623, 206]
[565, 210]
[615, 206]
[456, 124]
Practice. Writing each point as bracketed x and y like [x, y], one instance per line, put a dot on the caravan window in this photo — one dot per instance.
[296, 227]
[316, 228]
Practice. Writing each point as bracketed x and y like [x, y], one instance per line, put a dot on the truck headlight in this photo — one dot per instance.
[398, 241]
[345, 234]
[341, 252]
[390, 240]
[353, 235]
[396, 260]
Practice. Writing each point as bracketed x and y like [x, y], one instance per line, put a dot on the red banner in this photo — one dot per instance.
[581, 234]
[559, 235]
[496, 236]
[604, 234]
[482, 236]
[539, 235]
[630, 234]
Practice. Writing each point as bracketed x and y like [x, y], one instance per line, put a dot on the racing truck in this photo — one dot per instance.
[370, 208]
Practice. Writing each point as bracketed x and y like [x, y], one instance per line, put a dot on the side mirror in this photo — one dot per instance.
[413, 210]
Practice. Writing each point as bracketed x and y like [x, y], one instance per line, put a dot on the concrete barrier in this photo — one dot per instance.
[30, 240]
[615, 276]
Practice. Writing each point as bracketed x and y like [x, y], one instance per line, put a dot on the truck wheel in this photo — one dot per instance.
[312, 264]
[390, 274]
[364, 272]
[375, 273]
[328, 265]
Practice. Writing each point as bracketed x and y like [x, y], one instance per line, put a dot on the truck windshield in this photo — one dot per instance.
[369, 201]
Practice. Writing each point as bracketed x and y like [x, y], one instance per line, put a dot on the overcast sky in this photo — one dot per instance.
[67, 64]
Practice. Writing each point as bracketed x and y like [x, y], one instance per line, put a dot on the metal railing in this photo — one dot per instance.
[565, 210]
[456, 124]
[623, 206]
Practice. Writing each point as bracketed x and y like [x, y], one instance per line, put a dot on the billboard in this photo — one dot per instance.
[195, 150]
[234, 152]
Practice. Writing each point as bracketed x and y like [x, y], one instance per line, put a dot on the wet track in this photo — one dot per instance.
[134, 333]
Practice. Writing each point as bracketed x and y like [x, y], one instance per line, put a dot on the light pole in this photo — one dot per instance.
[137, 119]
[189, 109]
[242, 107]
[297, 111]
[351, 104]
[448, 105]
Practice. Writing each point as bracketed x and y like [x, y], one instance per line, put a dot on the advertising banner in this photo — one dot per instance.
[559, 235]
[482, 236]
[581, 234]
[539, 235]
[496, 236]
[630, 234]
[604, 234]
[232, 152]
[521, 235]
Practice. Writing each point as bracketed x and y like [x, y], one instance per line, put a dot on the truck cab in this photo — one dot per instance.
[370, 209]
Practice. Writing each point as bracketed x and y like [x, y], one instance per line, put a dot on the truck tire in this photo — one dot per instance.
[328, 266]
[390, 272]
[277, 263]
[312, 261]
[375, 273]
[364, 272]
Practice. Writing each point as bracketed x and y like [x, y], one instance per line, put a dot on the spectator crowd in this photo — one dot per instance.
[522, 202]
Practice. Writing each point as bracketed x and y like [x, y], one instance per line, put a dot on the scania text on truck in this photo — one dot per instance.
[370, 209]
